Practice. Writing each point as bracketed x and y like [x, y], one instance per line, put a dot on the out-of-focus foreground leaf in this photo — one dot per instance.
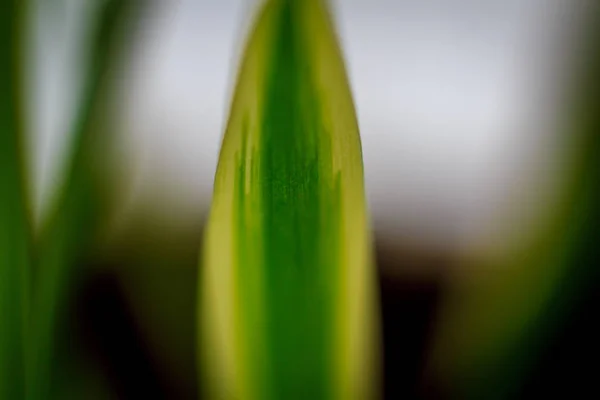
[14, 227]
[287, 306]
[492, 334]
[76, 215]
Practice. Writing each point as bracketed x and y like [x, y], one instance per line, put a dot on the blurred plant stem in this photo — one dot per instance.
[492, 333]
[288, 298]
[73, 223]
[14, 222]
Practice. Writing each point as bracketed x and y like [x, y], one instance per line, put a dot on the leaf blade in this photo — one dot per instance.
[14, 219]
[288, 271]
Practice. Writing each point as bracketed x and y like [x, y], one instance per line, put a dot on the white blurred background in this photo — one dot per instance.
[456, 101]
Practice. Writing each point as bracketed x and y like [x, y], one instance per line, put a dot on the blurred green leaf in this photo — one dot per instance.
[14, 224]
[287, 306]
[74, 219]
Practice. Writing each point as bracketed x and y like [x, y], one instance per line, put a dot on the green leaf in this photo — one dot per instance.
[14, 224]
[287, 306]
[78, 211]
